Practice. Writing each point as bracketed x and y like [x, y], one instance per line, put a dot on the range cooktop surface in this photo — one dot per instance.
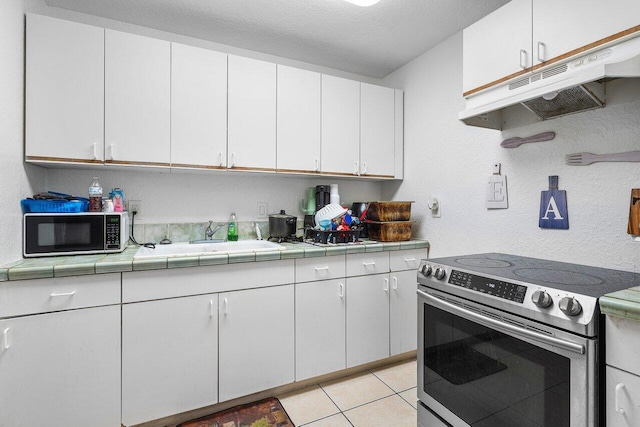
[574, 278]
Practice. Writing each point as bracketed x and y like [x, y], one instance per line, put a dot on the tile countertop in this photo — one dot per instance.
[624, 304]
[78, 265]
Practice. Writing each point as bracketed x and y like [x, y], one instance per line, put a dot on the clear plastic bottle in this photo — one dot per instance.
[95, 195]
[232, 228]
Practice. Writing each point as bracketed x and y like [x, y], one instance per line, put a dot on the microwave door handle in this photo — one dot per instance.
[501, 326]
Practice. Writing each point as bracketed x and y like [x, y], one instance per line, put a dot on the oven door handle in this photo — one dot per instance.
[501, 326]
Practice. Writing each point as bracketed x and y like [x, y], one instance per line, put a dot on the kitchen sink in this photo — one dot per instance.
[195, 249]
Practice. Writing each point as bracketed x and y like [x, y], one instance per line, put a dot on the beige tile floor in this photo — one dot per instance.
[382, 397]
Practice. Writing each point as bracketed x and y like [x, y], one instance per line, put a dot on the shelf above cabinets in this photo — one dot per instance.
[108, 98]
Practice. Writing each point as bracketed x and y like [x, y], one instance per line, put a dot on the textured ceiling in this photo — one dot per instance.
[372, 41]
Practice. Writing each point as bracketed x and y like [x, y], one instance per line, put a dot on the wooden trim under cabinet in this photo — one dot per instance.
[136, 163]
[40, 159]
[590, 46]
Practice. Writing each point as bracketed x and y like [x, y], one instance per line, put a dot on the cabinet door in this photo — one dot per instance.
[561, 27]
[64, 91]
[61, 369]
[497, 46]
[169, 357]
[198, 107]
[320, 328]
[256, 340]
[403, 312]
[340, 126]
[623, 398]
[377, 131]
[252, 114]
[367, 319]
[137, 99]
[298, 120]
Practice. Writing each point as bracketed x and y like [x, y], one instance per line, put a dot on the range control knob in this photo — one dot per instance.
[542, 299]
[426, 270]
[570, 306]
[439, 273]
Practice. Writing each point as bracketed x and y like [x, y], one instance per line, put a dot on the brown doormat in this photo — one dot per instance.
[265, 413]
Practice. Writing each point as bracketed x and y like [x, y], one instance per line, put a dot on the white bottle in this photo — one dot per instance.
[95, 195]
[334, 197]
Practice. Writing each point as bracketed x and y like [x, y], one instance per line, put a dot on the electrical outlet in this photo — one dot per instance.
[263, 209]
[135, 206]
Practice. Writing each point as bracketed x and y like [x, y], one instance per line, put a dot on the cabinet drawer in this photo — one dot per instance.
[368, 263]
[322, 268]
[406, 260]
[22, 297]
[179, 282]
[623, 343]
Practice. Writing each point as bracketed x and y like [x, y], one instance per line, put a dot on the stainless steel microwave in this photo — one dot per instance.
[50, 234]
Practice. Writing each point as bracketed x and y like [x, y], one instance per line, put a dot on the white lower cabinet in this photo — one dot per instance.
[320, 328]
[61, 368]
[403, 312]
[169, 357]
[623, 398]
[256, 340]
[367, 319]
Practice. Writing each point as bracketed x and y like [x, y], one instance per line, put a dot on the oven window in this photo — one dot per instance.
[489, 379]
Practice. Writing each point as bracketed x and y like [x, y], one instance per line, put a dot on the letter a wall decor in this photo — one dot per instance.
[553, 207]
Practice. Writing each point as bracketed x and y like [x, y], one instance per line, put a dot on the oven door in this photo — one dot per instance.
[481, 367]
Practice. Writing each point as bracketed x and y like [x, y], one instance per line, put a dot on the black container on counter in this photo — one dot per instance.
[323, 196]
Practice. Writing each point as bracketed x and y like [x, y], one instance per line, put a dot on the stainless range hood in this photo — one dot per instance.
[567, 87]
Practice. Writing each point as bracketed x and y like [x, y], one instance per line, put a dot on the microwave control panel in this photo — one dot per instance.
[498, 288]
[113, 228]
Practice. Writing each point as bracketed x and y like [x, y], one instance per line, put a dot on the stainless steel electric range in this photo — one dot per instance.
[506, 340]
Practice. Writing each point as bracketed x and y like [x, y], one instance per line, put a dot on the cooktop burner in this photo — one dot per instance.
[483, 262]
[579, 279]
[556, 277]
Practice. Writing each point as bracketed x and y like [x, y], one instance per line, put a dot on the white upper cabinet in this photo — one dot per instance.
[561, 27]
[340, 126]
[99, 96]
[137, 99]
[377, 131]
[252, 114]
[198, 107]
[525, 35]
[298, 115]
[64, 91]
[497, 46]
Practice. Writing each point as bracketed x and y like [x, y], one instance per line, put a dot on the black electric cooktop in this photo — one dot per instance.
[575, 278]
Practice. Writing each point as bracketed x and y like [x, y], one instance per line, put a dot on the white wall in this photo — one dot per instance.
[445, 159]
[16, 179]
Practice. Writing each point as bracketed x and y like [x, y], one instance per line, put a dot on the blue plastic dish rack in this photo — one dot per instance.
[55, 206]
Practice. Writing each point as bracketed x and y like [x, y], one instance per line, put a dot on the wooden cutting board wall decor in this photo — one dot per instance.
[553, 207]
[634, 213]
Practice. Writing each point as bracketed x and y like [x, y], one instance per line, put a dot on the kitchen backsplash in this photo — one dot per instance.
[185, 232]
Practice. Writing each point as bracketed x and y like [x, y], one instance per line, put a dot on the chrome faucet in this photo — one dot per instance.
[209, 232]
[258, 233]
